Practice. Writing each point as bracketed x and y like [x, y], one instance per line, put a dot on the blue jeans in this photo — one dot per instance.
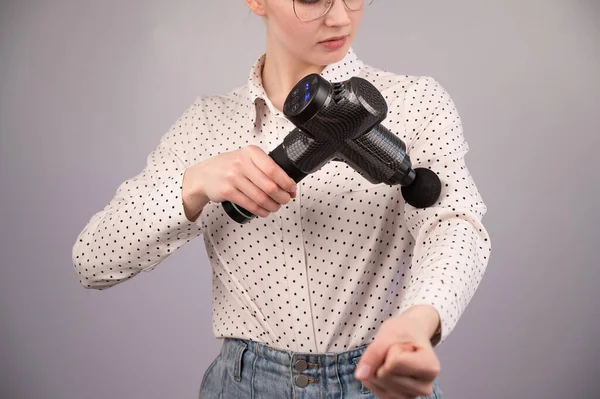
[251, 370]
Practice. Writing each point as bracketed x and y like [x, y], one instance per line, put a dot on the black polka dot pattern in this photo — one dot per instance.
[325, 271]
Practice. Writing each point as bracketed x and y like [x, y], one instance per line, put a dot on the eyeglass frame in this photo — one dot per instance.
[327, 10]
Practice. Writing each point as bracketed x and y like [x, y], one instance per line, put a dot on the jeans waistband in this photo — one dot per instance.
[233, 346]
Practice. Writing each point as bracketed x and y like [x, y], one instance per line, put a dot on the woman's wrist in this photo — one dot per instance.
[194, 198]
[425, 318]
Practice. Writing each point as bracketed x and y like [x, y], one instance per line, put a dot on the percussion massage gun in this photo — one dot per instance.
[342, 121]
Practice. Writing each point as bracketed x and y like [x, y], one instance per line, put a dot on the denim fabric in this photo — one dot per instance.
[247, 369]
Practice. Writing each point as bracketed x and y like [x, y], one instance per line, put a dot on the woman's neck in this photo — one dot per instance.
[281, 72]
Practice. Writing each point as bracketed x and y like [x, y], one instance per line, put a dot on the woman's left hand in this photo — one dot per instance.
[401, 362]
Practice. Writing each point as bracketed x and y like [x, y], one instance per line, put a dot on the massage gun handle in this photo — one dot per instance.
[279, 155]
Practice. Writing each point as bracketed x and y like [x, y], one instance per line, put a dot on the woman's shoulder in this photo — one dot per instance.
[396, 86]
[211, 107]
[236, 95]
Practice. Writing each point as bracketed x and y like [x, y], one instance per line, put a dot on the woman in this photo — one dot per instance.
[340, 289]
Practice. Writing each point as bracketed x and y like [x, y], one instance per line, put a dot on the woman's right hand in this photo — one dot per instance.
[248, 177]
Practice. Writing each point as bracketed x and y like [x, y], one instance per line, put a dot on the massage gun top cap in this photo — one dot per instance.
[354, 103]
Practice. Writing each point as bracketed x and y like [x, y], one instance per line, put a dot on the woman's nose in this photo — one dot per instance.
[338, 14]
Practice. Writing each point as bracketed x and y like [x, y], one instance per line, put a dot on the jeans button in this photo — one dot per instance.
[301, 380]
[301, 365]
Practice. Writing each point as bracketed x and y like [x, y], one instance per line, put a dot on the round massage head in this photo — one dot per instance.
[425, 189]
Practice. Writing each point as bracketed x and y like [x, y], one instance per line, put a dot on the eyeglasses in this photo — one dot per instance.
[310, 10]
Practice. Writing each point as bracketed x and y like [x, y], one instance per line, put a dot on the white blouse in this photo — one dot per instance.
[322, 273]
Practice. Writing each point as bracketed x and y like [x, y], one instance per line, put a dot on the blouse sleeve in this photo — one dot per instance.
[144, 222]
[452, 246]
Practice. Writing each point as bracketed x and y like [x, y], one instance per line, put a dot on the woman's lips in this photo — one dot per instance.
[334, 43]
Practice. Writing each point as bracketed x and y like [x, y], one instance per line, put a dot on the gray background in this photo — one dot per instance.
[88, 87]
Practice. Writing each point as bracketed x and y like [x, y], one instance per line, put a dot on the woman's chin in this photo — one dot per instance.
[327, 56]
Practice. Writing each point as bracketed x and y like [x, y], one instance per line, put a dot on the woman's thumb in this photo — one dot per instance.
[372, 358]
